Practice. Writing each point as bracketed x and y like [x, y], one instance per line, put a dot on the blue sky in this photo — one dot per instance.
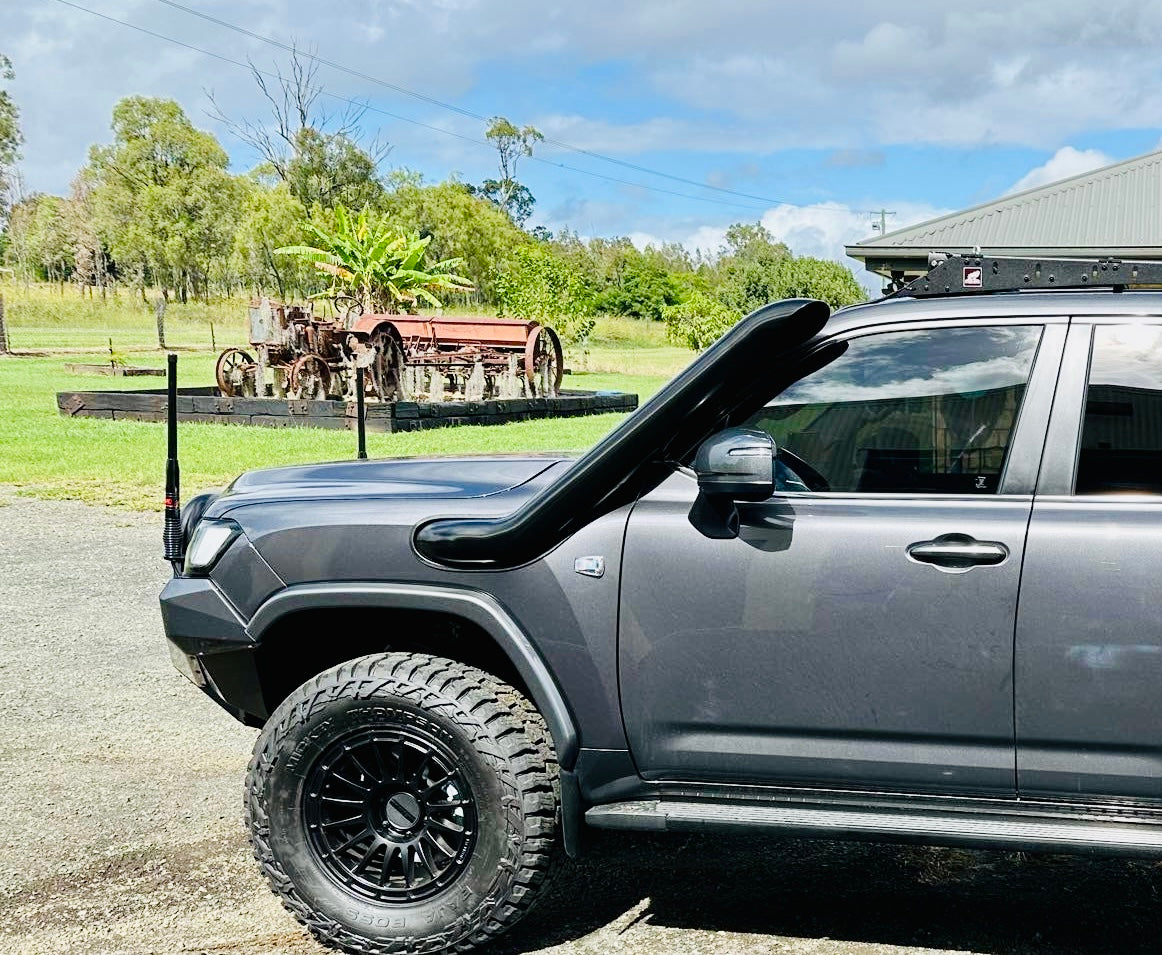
[824, 111]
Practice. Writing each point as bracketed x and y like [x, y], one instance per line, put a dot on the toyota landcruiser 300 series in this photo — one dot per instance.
[889, 573]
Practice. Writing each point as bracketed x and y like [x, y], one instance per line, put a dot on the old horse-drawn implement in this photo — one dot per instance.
[407, 356]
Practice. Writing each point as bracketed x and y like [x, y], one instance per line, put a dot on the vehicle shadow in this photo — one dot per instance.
[997, 903]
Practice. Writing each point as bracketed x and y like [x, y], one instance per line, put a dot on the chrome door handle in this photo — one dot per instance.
[958, 552]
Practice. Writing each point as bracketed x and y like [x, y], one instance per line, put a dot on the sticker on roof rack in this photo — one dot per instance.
[973, 276]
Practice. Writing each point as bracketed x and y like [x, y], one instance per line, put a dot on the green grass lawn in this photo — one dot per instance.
[122, 462]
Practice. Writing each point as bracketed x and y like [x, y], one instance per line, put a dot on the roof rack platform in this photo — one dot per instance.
[955, 274]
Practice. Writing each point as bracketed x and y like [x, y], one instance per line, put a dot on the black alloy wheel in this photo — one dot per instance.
[389, 815]
[406, 804]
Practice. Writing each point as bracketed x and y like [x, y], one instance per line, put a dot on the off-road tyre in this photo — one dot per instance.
[505, 754]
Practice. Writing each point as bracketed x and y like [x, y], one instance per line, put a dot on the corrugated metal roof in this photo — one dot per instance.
[1117, 208]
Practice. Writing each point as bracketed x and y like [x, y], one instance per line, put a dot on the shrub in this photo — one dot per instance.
[537, 284]
[699, 321]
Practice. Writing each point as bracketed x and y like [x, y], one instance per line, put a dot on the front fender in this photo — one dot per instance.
[474, 605]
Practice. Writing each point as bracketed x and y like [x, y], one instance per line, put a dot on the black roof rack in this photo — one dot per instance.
[957, 274]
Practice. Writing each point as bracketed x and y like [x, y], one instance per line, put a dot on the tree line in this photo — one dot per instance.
[158, 208]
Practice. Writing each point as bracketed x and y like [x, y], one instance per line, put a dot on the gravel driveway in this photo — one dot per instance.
[120, 796]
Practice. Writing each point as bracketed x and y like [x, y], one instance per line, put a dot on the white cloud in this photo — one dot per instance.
[707, 240]
[643, 239]
[822, 230]
[621, 138]
[661, 75]
[853, 78]
[1064, 163]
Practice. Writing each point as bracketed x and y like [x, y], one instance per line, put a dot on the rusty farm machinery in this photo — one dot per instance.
[300, 356]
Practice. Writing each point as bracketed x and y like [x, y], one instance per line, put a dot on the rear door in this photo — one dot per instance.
[840, 640]
[1089, 633]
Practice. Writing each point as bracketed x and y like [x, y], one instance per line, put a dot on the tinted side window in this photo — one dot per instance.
[1121, 438]
[925, 411]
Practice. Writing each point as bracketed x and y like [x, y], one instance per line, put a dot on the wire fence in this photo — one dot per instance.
[120, 338]
[40, 317]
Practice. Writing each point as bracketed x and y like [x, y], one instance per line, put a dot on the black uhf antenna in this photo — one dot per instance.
[172, 535]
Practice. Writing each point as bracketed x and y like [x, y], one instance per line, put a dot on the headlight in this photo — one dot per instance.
[192, 512]
[210, 540]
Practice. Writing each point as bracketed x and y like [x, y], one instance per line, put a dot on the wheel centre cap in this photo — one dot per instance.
[402, 811]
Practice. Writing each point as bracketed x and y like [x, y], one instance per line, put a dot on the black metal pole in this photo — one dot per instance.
[361, 424]
[172, 534]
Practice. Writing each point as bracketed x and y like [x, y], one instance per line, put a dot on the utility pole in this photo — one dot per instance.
[882, 226]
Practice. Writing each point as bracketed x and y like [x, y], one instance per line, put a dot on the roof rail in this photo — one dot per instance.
[957, 274]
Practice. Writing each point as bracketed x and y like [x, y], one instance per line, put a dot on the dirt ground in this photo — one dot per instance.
[120, 805]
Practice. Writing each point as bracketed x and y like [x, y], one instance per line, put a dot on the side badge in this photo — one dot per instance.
[589, 566]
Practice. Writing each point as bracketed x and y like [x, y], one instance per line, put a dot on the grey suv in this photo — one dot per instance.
[890, 573]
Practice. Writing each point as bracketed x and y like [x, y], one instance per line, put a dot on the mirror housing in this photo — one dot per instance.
[737, 464]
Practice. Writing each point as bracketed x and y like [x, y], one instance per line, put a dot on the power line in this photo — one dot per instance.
[291, 48]
[405, 119]
[423, 97]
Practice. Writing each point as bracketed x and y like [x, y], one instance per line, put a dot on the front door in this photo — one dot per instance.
[859, 631]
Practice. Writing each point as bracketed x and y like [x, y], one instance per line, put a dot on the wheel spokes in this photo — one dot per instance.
[439, 846]
[342, 822]
[426, 858]
[351, 783]
[361, 834]
[418, 773]
[446, 826]
[385, 869]
[448, 804]
[384, 775]
[362, 863]
[408, 859]
[389, 815]
[432, 787]
[364, 770]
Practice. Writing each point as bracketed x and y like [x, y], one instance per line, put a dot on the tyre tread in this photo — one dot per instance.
[507, 731]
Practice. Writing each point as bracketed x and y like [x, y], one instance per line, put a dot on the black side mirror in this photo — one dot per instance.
[737, 464]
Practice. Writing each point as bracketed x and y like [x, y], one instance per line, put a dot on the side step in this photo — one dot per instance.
[1024, 829]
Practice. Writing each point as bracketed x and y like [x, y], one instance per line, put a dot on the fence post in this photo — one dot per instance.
[361, 416]
[3, 330]
[159, 313]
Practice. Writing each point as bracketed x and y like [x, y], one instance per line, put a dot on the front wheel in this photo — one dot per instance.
[404, 803]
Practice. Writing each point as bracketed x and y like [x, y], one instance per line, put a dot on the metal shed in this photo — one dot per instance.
[1113, 211]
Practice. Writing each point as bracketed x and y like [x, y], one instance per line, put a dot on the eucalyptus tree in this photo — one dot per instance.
[317, 153]
[270, 218]
[10, 137]
[512, 143]
[460, 225]
[39, 241]
[164, 202]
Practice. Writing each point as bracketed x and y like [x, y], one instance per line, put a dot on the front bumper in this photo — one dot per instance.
[211, 647]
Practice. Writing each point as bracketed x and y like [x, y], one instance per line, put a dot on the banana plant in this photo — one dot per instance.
[381, 268]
